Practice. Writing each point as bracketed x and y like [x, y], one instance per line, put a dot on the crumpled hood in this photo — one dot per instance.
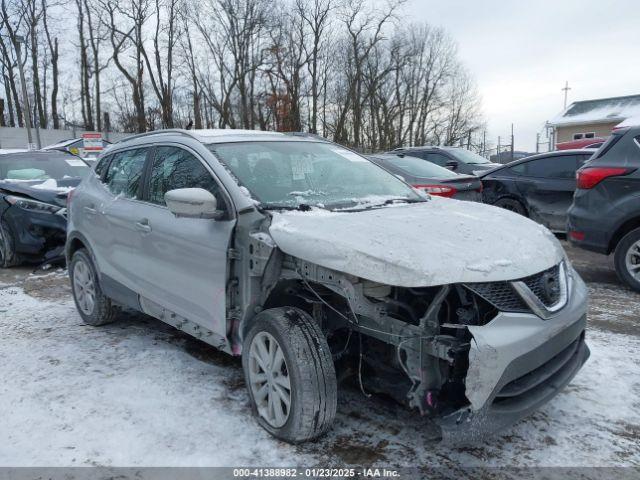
[39, 190]
[438, 242]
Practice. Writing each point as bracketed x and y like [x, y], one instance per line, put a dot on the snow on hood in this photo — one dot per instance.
[438, 242]
[51, 184]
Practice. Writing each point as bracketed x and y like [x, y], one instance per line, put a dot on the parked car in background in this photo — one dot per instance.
[540, 187]
[76, 146]
[457, 159]
[429, 177]
[33, 196]
[605, 214]
[307, 259]
[580, 143]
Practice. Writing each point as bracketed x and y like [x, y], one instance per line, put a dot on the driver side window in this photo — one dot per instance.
[174, 168]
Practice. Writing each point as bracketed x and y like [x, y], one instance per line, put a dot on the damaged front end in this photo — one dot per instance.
[38, 228]
[475, 357]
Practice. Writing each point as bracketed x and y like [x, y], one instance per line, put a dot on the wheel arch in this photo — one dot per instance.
[75, 242]
[282, 294]
[626, 227]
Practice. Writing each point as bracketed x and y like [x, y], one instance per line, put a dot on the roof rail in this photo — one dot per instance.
[156, 132]
[307, 134]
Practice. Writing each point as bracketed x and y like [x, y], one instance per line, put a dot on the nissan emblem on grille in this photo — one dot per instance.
[550, 287]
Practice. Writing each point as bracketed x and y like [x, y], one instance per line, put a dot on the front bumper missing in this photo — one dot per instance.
[518, 362]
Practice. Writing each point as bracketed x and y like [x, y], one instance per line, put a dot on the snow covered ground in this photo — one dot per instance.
[139, 393]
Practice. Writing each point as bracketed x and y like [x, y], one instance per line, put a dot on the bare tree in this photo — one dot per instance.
[161, 69]
[126, 21]
[316, 15]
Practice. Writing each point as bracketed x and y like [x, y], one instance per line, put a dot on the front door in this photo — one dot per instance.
[184, 260]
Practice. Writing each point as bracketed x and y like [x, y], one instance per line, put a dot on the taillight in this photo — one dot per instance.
[69, 198]
[591, 176]
[439, 190]
[574, 234]
[479, 189]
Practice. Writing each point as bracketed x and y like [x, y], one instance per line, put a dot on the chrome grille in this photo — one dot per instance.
[501, 295]
[544, 285]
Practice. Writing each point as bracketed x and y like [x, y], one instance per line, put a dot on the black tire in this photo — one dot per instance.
[103, 310]
[310, 370]
[620, 259]
[512, 205]
[8, 257]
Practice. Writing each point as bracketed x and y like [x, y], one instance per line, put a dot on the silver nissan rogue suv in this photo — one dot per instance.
[313, 264]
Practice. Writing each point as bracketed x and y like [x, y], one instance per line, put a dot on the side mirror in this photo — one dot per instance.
[451, 164]
[192, 203]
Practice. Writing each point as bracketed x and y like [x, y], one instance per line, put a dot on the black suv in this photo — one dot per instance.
[457, 159]
[605, 214]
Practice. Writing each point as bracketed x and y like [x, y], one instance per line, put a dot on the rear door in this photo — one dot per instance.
[183, 263]
[547, 185]
[118, 237]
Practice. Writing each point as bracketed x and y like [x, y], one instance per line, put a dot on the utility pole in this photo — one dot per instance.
[512, 146]
[484, 143]
[25, 99]
[566, 91]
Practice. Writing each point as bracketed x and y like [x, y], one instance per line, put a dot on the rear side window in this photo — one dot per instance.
[173, 168]
[608, 145]
[564, 166]
[125, 172]
[437, 158]
[102, 165]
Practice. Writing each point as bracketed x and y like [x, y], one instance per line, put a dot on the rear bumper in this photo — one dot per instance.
[595, 232]
[517, 363]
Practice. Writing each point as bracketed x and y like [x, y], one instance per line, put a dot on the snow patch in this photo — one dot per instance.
[52, 185]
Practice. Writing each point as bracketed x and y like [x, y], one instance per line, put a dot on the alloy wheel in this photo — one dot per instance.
[269, 379]
[632, 260]
[84, 287]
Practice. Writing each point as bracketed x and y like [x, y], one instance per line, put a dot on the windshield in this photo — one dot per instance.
[292, 174]
[25, 167]
[417, 167]
[465, 156]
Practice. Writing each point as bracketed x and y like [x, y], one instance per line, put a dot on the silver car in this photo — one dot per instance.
[314, 264]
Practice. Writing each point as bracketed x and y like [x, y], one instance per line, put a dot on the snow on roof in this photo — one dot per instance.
[603, 110]
[629, 122]
[227, 132]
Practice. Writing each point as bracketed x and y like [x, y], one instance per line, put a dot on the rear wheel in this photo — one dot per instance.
[627, 259]
[512, 205]
[94, 307]
[290, 375]
[8, 256]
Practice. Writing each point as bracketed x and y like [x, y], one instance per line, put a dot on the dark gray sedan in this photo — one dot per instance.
[430, 177]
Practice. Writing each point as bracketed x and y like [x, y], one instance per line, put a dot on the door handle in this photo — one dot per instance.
[143, 226]
[90, 210]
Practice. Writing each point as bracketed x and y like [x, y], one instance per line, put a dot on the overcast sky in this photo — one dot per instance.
[521, 53]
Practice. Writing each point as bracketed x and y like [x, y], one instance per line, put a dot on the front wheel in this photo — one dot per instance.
[290, 375]
[8, 256]
[627, 259]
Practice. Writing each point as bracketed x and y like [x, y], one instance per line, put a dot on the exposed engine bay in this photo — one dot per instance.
[445, 351]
